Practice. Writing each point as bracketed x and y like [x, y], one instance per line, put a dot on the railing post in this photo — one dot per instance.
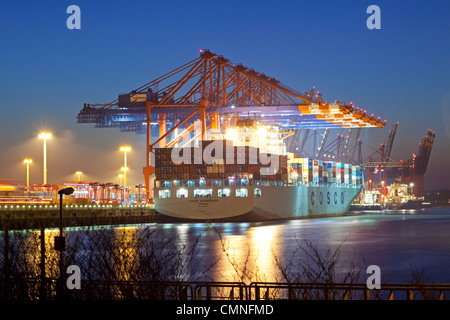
[409, 294]
[305, 295]
[182, 294]
[345, 297]
[257, 292]
[327, 293]
[291, 294]
[208, 292]
[391, 295]
[366, 294]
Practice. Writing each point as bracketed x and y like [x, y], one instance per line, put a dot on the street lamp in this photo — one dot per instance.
[60, 241]
[125, 150]
[79, 173]
[124, 169]
[45, 136]
[28, 162]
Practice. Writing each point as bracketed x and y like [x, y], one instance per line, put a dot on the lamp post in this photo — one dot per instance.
[45, 136]
[79, 173]
[121, 179]
[28, 162]
[124, 191]
[60, 241]
[125, 168]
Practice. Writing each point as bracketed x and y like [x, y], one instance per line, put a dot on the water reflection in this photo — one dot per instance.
[264, 245]
[25, 252]
[124, 256]
[239, 251]
[245, 253]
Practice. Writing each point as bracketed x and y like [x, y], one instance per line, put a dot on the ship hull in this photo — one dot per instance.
[304, 201]
[410, 204]
[203, 208]
[271, 203]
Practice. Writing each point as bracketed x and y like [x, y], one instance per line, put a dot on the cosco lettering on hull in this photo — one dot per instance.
[330, 198]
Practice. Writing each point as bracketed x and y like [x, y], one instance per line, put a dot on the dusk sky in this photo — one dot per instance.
[400, 72]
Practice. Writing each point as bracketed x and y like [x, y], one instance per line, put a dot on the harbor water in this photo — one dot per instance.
[397, 241]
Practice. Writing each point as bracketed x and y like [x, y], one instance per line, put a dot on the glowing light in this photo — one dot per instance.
[45, 135]
[125, 149]
[261, 131]
[231, 134]
[27, 162]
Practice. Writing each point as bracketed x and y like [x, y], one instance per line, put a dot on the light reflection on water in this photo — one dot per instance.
[393, 240]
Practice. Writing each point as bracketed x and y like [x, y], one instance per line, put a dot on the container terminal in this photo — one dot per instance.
[211, 101]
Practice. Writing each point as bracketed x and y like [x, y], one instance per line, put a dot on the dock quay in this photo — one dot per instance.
[17, 217]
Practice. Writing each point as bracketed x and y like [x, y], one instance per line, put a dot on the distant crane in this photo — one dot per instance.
[385, 153]
[415, 166]
[421, 163]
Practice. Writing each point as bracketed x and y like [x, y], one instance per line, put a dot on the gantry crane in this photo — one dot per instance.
[415, 167]
[210, 93]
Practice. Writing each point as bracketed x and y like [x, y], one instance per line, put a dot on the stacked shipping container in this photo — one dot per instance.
[244, 163]
[323, 172]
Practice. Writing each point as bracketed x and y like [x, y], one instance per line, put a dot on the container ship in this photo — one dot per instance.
[246, 174]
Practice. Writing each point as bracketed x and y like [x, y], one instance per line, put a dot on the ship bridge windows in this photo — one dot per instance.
[257, 192]
[189, 183]
[230, 182]
[241, 192]
[241, 182]
[202, 193]
[217, 183]
[224, 192]
[176, 183]
[164, 184]
[200, 183]
[182, 193]
[238, 182]
[163, 194]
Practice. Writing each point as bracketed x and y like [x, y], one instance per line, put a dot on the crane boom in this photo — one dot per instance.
[390, 142]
